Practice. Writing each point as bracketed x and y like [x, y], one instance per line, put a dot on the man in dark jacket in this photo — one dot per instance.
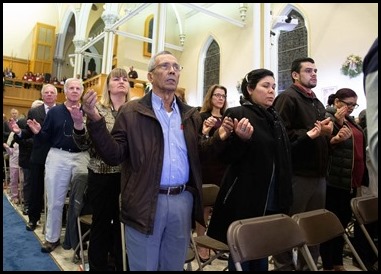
[38, 155]
[300, 109]
[156, 140]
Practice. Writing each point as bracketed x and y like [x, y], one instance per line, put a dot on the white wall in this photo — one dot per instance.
[335, 31]
[19, 20]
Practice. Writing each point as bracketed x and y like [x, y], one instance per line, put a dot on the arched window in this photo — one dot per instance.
[148, 32]
[291, 45]
[211, 66]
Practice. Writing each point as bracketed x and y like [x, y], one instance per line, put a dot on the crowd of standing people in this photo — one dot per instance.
[146, 161]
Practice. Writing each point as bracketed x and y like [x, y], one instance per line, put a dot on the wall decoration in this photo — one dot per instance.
[352, 67]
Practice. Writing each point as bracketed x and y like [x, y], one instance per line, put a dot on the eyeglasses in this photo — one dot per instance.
[350, 104]
[168, 66]
[219, 96]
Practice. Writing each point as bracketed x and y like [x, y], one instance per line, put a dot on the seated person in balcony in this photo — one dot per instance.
[28, 76]
[132, 75]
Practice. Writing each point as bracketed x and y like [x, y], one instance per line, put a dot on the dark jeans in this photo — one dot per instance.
[105, 234]
[36, 201]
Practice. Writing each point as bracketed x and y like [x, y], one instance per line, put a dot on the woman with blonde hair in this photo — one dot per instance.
[104, 180]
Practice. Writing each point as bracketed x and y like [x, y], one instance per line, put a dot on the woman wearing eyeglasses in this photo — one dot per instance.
[212, 168]
[347, 170]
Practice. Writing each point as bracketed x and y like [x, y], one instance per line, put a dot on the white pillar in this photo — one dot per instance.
[109, 17]
[267, 37]
[257, 28]
[78, 58]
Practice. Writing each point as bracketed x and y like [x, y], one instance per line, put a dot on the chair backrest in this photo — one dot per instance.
[365, 209]
[319, 225]
[210, 192]
[260, 237]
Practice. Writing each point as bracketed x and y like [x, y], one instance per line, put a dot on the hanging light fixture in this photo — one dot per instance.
[182, 39]
[242, 11]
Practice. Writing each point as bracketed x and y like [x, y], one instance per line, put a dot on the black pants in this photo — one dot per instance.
[105, 234]
[339, 202]
[362, 245]
[36, 198]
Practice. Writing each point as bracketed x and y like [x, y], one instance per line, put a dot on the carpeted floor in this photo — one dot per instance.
[21, 248]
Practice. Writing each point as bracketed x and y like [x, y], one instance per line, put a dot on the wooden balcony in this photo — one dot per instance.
[15, 95]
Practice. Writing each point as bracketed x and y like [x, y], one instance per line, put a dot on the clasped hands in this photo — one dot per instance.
[242, 128]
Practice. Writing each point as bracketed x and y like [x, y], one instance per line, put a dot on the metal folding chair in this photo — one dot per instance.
[210, 192]
[365, 210]
[260, 237]
[321, 225]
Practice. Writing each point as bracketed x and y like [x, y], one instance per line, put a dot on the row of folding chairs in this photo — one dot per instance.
[261, 237]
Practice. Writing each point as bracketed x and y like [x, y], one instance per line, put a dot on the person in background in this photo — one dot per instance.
[155, 139]
[300, 110]
[347, 170]
[6, 129]
[132, 74]
[104, 180]
[12, 149]
[64, 159]
[370, 69]
[212, 168]
[39, 151]
[257, 181]
[360, 242]
[25, 151]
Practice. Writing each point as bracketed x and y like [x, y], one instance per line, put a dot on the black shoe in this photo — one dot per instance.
[48, 247]
[31, 226]
[25, 211]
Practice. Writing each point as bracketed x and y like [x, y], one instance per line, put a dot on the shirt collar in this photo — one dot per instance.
[158, 104]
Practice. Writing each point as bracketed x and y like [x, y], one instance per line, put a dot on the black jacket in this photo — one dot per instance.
[299, 113]
[40, 148]
[255, 166]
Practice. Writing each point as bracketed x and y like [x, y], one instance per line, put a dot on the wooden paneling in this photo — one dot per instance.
[18, 66]
[16, 96]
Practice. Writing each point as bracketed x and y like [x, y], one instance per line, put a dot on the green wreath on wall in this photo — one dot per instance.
[352, 67]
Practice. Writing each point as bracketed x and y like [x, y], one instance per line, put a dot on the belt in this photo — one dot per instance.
[172, 190]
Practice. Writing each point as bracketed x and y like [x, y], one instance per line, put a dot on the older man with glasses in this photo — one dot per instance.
[156, 140]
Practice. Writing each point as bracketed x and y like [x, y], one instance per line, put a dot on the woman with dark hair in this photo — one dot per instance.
[257, 181]
[346, 172]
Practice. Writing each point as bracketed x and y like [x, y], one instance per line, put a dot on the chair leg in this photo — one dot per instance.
[80, 237]
[354, 252]
[123, 237]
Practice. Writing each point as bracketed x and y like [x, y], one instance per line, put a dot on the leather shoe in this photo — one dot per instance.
[31, 226]
[48, 247]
